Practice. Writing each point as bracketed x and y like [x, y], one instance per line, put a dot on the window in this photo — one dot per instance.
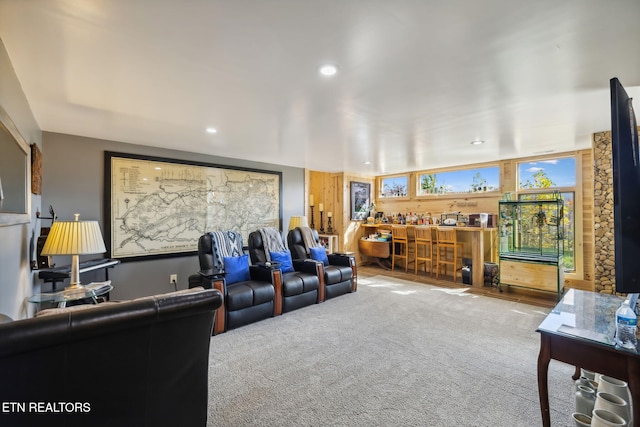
[394, 186]
[537, 180]
[549, 173]
[477, 180]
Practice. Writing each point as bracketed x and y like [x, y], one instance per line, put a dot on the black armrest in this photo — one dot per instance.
[212, 274]
[262, 272]
[306, 265]
[337, 259]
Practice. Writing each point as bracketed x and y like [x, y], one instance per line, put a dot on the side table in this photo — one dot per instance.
[92, 291]
[579, 331]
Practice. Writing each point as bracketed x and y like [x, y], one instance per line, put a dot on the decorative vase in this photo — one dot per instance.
[587, 383]
[581, 420]
[619, 388]
[613, 403]
[585, 399]
[604, 418]
[614, 386]
[587, 374]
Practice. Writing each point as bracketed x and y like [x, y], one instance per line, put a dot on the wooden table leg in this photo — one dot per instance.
[543, 387]
[577, 373]
[378, 261]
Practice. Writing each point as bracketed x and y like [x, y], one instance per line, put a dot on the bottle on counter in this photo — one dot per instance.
[626, 324]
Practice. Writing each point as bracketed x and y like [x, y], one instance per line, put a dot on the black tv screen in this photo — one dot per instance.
[626, 190]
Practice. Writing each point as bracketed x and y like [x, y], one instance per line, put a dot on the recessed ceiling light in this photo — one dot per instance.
[367, 162]
[212, 130]
[328, 70]
[477, 142]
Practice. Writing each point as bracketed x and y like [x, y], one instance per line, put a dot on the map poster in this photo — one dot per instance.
[160, 207]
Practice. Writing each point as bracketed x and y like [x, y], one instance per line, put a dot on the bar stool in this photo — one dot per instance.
[448, 251]
[400, 246]
[424, 240]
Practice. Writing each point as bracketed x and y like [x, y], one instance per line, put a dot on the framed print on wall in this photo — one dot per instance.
[360, 200]
[158, 207]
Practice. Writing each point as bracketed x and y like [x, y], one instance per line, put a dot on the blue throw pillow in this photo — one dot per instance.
[284, 258]
[319, 254]
[236, 268]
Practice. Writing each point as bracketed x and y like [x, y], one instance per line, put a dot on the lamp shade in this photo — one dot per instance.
[298, 221]
[74, 238]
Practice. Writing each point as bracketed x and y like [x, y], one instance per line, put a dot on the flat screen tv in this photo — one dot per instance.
[626, 190]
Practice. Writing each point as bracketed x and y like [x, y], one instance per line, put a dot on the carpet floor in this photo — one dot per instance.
[395, 353]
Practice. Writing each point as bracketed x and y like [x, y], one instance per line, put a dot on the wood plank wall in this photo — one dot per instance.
[333, 190]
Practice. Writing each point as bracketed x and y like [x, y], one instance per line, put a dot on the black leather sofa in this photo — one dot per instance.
[301, 287]
[340, 276]
[137, 363]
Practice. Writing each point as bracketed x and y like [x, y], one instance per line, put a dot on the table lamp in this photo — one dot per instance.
[298, 221]
[74, 238]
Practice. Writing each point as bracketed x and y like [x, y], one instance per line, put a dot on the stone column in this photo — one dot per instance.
[604, 271]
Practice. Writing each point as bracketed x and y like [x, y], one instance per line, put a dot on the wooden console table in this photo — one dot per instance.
[579, 331]
[376, 251]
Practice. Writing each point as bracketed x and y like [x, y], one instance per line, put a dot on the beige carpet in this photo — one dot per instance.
[395, 353]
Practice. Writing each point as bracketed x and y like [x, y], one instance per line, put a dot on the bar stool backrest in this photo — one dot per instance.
[446, 236]
[399, 234]
[423, 234]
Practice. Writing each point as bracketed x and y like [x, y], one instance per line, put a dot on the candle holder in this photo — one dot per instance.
[312, 225]
[329, 227]
[321, 222]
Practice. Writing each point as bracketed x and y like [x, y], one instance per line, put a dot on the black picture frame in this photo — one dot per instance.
[157, 207]
[360, 200]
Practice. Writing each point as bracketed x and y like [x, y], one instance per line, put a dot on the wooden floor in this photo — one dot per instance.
[541, 299]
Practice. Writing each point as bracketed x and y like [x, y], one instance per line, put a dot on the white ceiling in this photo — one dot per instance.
[418, 79]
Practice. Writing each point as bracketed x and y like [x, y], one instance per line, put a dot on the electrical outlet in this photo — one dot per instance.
[173, 279]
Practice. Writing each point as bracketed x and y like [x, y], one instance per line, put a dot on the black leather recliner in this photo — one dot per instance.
[244, 302]
[301, 287]
[340, 276]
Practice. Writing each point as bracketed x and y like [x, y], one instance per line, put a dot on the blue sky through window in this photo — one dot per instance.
[395, 186]
[460, 181]
[562, 172]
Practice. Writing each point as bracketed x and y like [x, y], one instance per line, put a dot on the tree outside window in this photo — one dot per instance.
[536, 176]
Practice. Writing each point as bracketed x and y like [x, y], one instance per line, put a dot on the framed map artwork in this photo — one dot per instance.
[157, 207]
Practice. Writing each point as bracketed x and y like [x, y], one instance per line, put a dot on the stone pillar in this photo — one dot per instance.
[604, 271]
[603, 233]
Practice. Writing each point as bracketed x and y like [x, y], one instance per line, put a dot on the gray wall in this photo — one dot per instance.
[17, 280]
[73, 174]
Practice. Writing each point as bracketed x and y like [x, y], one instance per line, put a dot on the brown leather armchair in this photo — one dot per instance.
[340, 275]
[136, 363]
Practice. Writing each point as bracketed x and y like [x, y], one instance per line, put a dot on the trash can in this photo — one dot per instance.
[466, 271]
[491, 276]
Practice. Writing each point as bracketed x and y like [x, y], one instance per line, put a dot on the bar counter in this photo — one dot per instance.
[478, 237]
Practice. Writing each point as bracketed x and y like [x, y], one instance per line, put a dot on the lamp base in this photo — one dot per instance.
[74, 290]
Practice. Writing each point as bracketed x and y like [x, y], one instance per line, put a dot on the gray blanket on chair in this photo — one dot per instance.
[307, 238]
[271, 241]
